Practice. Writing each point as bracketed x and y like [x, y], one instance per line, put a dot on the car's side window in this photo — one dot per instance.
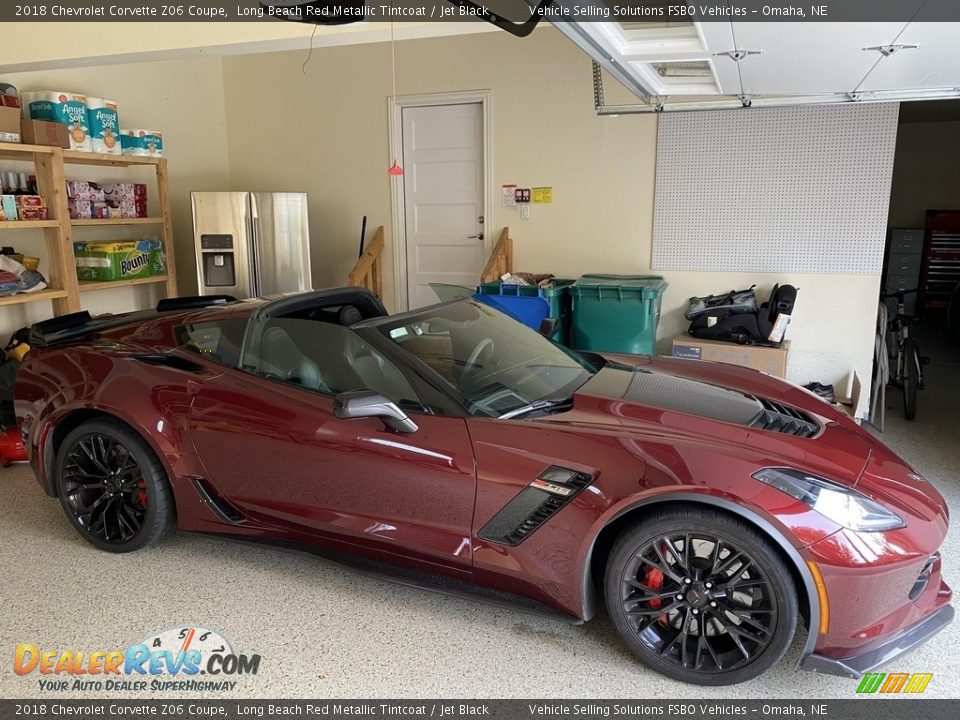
[325, 357]
[217, 340]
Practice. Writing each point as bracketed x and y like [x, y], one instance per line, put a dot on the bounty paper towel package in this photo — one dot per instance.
[68, 109]
[104, 121]
[142, 142]
[110, 261]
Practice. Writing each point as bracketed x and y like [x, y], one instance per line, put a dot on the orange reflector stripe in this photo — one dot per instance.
[822, 596]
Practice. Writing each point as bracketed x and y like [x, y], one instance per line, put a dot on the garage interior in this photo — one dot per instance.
[268, 108]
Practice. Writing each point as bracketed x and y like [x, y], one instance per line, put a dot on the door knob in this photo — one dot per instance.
[478, 236]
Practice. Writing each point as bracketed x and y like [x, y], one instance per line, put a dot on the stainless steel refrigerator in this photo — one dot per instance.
[251, 244]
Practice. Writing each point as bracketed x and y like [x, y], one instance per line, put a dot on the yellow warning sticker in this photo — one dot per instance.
[542, 195]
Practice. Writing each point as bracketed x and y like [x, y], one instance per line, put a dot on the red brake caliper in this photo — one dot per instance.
[142, 493]
[654, 580]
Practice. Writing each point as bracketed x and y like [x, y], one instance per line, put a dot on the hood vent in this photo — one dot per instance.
[784, 419]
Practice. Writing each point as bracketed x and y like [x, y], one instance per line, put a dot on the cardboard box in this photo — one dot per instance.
[33, 213]
[80, 209]
[30, 201]
[771, 360]
[9, 124]
[848, 406]
[44, 132]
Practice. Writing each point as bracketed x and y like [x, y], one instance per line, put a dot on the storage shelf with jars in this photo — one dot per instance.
[50, 168]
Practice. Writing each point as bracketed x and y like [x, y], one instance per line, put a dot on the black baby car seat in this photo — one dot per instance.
[734, 316]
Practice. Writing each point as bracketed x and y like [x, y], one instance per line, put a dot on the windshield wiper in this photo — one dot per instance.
[538, 405]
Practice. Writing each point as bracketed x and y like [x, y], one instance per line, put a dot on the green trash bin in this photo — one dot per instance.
[530, 304]
[616, 313]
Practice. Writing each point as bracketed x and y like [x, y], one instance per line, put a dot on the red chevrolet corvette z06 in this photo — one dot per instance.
[711, 508]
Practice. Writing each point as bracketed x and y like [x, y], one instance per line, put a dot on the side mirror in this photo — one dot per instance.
[366, 403]
[548, 326]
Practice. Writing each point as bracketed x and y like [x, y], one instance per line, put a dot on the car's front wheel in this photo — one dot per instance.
[700, 596]
[112, 487]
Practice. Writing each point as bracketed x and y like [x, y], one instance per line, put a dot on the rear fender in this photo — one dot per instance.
[159, 421]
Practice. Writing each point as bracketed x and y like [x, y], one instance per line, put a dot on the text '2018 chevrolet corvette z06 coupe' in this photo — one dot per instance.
[712, 509]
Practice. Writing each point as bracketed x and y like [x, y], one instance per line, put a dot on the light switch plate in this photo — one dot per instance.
[524, 211]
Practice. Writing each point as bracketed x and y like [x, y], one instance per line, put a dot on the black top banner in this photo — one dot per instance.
[324, 12]
[449, 709]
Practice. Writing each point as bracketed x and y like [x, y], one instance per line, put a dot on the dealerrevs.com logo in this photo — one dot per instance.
[177, 659]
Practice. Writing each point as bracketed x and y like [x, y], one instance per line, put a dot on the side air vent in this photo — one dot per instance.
[784, 419]
[553, 489]
[220, 507]
[924, 578]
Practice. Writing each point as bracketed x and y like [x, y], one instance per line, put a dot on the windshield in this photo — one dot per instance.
[497, 365]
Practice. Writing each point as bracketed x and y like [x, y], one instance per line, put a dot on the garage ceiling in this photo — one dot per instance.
[667, 64]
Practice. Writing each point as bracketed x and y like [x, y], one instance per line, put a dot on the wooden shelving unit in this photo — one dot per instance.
[106, 222]
[20, 298]
[50, 165]
[88, 286]
[28, 224]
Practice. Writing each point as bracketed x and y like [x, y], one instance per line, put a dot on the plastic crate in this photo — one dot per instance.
[616, 313]
[531, 304]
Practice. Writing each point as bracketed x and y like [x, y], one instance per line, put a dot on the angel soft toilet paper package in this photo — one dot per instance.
[69, 109]
[142, 142]
[104, 120]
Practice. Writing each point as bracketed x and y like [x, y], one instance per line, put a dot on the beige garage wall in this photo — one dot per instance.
[326, 133]
[926, 173]
[184, 99]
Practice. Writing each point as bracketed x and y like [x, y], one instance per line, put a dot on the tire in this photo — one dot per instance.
[113, 487]
[747, 629]
[910, 379]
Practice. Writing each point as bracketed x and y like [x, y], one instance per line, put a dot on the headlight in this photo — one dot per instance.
[844, 506]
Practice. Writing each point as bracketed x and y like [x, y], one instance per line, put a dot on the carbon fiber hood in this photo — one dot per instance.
[672, 392]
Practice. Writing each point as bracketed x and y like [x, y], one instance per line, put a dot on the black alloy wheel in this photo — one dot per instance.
[701, 598]
[112, 487]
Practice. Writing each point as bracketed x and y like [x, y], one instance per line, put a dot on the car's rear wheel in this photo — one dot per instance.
[112, 487]
[701, 596]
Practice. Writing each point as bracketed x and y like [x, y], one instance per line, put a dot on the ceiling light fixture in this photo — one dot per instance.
[737, 55]
[888, 50]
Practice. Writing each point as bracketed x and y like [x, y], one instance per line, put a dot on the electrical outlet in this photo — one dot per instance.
[525, 211]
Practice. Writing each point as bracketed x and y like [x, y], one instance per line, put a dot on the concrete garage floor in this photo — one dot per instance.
[325, 631]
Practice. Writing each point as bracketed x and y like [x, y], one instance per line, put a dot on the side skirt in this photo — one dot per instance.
[412, 578]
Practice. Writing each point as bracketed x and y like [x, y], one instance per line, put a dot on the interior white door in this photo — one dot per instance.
[443, 197]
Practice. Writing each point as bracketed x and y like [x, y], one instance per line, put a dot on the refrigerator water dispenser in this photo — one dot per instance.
[218, 261]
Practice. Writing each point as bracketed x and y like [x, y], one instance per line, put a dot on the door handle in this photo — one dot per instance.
[478, 236]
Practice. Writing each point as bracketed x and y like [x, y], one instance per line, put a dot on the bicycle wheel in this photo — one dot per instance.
[911, 370]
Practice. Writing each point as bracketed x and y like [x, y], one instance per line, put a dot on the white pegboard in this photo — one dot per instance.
[774, 190]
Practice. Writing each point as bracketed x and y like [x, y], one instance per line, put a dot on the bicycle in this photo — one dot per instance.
[906, 368]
